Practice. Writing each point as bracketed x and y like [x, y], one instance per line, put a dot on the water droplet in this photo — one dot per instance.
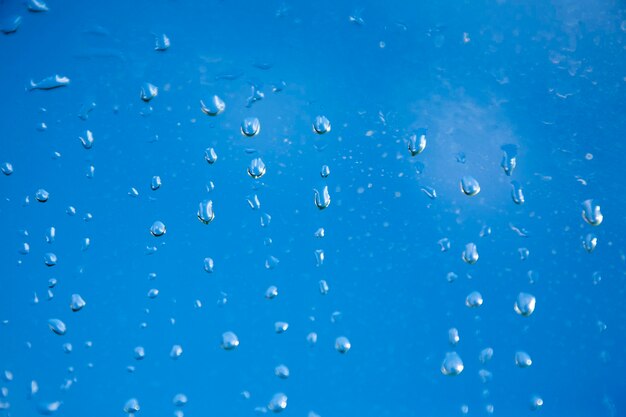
[161, 42]
[536, 402]
[50, 259]
[271, 262]
[153, 293]
[417, 142]
[451, 277]
[67, 347]
[325, 171]
[179, 400]
[592, 213]
[596, 277]
[54, 81]
[470, 254]
[77, 303]
[256, 168]
[281, 371]
[213, 106]
[131, 406]
[47, 408]
[278, 403]
[444, 244]
[57, 326]
[590, 242]
[266, 219]
[453, 336]
[461, 158]
[509, 159]
[71, 211]
[322, 200]
[7, 168]
[42, 195]
[320, 233]
[158, 229]
[321, 125]
[209, 264]
[319, 257]
[140, 353]
[205, 211]
[271, 292]
[485, 376]
[281, 327]
[429, 191]
[517, 193]
[148, 92]
[176, 351]
[452, 364]
[24, 249]
[229, 341]
[155, 184]
[485, 355]
[37, 6]
[323, 285]
[470, 186]
[133, 192]
[87, 140]
[474, 300]
[525, 304]
[342, 344]
[250, 126]
[210, 155]
[522, 359]
[311, 339]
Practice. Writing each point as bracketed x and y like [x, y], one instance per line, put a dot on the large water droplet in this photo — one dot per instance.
[470, 254]
[131, 406]
[322, 200]
[256, 169]
[525, 304]
[48, 83]
[417, 142]
[205, 211]
[452, 364]
[321, 125]
[229, 341]
[470, 186]
[158, 229]
[148, 92]
[77, 303]
[42, 195]
[57, 326]
[213, 106]
[210, 155]
[474, 299]
[342, 344]
[250, 126]
[278, 403]
[50, 259]
[592, 213]
[7, 168]
[522, 359]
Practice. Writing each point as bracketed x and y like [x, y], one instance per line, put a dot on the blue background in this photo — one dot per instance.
[546, 76]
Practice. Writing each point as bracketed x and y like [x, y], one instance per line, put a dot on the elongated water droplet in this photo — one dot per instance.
[452, 364]
[470, 186]
[155, 184]
[509, 159]
[474, 299]
[517, 194]
[42, 195]
[87, 140]
[250, 126]
[158, 229]
[525, 304]
[470, 254]
[148, 92]
[323, 285]
[205, 211]
[229, 341]
[37, 6]
[319, 257]
[322, 200]
[210, 155]
[591, 213]
[342, 344]
[325, 171]
[417, 142]
[77, 303]
[209, 264]
[522, 359]
[49, 83]
[453, 336]
[213, 106]
[278, 403]
[256, 169]
[321, 125]
[590, 242]
[57, 326]
[429, 191]
[485, 355]
[51, 233]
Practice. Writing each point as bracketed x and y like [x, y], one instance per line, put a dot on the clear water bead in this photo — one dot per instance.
[591, 213]
[522, 359]
[524, 304]
[157, 229]
[470, 254]
[250, 126]
[148, 92]
[417, 142]
[342, 344]
[57, 326]
[321, 125]
[474, 300]
[205, 211]
[42, 195]
[470, 186]
[278, 403]
[229, 341]
[256, 169]
[77, 303]
[131, 406]
[322, 200]
[210, 156]
[452, 364]
[213, 106]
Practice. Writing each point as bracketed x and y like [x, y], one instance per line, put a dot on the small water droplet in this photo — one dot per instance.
[342, 344]
[485, 355]
[155, 184]
[209, 264]
[524, 304]
[210, 155]
[37, 6]
[42, 195]
[453, 336]
[320, 233]
[517, 194]
[87, 140]
[229, 341]
[281, 371]
[325, 171]
[417, 142]
[474, 300]
[161, 42]
[322, 200]
[179, 400]
[591, 213]
[131, 406]
[133, 192]
[77, 303]
[452, 364]
[271, 262]
[57, 326]
[47, 408]
[509, 159]
[256, 169]
[250, 126]
[213, 106]
[50, 259]
[536, 402]
[323, 285]
[148, 92]
[153, 293]
[158, 229]
[469, 186]
[522, 359]
[7, 168]
[444, 244]
[311, 339]
[470, 254]
[319, 257]
[281, 327]
[205, 211]
[278, 403]
[590, 242]
[271, 292]
[176, 351]
[139, 352]
[321, 125]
